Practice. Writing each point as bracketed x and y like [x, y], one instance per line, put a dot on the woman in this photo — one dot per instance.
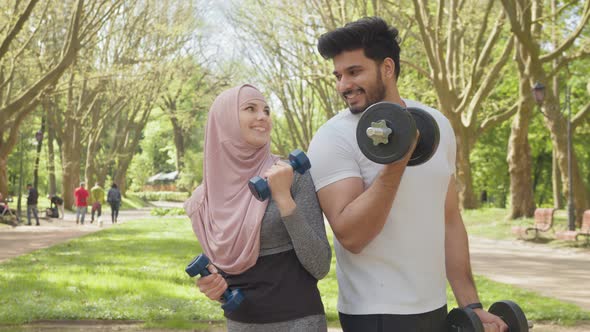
[274, 251]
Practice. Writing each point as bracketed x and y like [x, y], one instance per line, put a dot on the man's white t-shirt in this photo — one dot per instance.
[402, 270]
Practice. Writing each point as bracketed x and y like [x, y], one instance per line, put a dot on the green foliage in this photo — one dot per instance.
[169, 196]
[139, 171]
[132, 201]
[167, 212]
[192, 173]
[489, 167]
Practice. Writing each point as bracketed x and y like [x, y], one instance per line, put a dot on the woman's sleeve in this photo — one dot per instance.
[307, 230]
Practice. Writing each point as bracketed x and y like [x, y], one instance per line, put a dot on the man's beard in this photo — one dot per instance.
[372, 98]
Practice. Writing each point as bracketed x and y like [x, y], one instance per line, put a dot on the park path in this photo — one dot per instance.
[559, 273]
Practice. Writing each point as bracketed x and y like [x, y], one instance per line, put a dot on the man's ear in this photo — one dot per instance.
[388, 68]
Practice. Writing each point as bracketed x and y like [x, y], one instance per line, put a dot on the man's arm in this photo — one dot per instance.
[356, 215]
[458, 264]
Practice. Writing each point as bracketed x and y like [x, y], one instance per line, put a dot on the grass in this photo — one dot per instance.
[135, 271]
[492, 223]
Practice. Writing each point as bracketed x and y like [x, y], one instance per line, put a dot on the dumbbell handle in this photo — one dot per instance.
[205, 272]
[259, 186]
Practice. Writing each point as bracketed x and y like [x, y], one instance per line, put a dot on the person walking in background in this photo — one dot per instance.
[97, 200]
[32, 204]
[59, 203]
[114, 200]
[81, 196]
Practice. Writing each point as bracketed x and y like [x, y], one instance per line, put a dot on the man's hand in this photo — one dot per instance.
[491, 322]
[212, 285]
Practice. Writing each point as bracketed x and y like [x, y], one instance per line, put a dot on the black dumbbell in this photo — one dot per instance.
[466, 320]
[232, 298]
[386, 131]
[259, 186]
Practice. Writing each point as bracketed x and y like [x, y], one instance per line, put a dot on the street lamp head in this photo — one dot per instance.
[539, 92]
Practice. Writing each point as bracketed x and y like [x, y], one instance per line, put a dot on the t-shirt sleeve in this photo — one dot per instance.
[332, 157]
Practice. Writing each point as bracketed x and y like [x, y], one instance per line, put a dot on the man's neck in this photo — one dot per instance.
[392, 95]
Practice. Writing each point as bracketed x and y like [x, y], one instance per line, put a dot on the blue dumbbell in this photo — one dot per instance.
[232, 298]
[259, 186]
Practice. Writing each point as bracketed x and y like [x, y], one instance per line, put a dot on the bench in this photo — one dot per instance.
[573, 235]
[543, 223]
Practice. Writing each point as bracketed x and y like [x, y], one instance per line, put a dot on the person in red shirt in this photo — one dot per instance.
[81, 196]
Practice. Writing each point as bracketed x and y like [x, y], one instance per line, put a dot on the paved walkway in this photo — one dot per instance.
[560, 273]
[20, 240]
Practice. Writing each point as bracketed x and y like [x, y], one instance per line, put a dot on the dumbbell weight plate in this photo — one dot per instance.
[403, 130]
[429, 136]
[512, 314]
[463, 320]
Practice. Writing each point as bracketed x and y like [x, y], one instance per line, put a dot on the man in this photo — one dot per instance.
[59, 203]
[32, 199]
[81, 196]
[97, 199]
[396, 229]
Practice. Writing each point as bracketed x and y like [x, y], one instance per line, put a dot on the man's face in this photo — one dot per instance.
[358, 80]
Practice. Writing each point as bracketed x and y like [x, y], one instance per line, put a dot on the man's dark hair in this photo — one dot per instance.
[372, 34]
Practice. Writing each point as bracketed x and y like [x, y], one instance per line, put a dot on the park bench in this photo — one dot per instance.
[573, 235]
[543, 223]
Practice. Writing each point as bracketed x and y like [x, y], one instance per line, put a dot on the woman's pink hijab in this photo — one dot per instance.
[226, 217]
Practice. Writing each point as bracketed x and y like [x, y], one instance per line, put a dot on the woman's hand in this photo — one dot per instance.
[280, 180]
[212, 285]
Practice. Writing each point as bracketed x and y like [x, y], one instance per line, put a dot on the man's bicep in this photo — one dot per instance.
[335, 197]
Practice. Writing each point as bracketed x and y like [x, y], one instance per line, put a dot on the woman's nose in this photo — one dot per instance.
[261, 115]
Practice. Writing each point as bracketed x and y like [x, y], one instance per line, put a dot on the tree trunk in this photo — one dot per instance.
[39, 140]
[556, 182]
[71, 167]
[467, 197]
[522, 203]
[557, 124]
[121, 176]
[4, 175]
[178, 143]
[49, 110]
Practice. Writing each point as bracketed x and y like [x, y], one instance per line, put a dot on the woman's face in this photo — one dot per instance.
[255, 122]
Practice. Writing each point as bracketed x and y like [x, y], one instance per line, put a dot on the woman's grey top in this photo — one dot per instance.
[303, 230]
[294, 253]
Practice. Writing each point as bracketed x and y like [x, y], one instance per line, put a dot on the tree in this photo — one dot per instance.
[540, 63]
[16, 105]
[467, 49]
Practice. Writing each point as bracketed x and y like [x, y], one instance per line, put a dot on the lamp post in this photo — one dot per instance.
[539, 94]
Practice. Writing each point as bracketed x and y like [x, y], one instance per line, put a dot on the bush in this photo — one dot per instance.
[170, 196]
[168, 212]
